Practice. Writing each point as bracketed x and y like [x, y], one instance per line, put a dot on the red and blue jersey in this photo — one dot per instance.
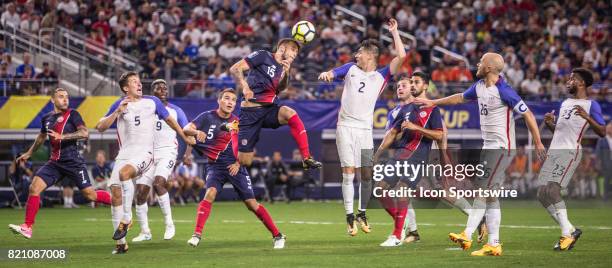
[264, 77]
[220, 146]
[396, 117]
[414, 144]
[63, 122]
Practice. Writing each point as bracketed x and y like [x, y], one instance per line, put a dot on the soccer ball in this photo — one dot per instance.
[303, 31]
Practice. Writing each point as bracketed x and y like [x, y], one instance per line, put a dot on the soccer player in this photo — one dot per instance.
[412, 134]
[216, 133]
[363, 83]
[269, 75]
[565, 151]
[496, 100]
[165, 151]
[64, 126]
[136, 117]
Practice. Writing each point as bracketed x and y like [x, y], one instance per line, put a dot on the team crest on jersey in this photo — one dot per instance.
[244, 142]
[407, 116]
[60, 119]
[423, 114]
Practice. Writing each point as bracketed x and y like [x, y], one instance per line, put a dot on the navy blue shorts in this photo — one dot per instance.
[75, 171]
[252, 120]
[218, 176]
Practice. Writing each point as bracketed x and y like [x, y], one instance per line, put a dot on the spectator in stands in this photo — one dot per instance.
[102, 23]
[10, 16]
[530, 87]
[6, 81]
[188, 177]
[70, 7]
[101, 171]
[25, 81]
[212, 34]
[151, 67]
[193, 32]
[155, 27]
[206, 50]
[26, 63]
[278, 174]
[223, 24]
[47, 78]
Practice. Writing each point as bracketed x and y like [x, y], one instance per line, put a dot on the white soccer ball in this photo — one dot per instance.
[303, 31]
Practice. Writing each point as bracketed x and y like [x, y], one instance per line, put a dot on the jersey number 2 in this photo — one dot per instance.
[361, 87]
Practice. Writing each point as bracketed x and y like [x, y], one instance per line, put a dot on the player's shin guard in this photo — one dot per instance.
[265, 218]
[116, 215]
[127, 188]
[203, 213]
[32, 206]
[299, 135]
[553, 213]
[164, 205]
[103, 197]
[493, 220]
[143, 218]
[348, 192]
[478, 211]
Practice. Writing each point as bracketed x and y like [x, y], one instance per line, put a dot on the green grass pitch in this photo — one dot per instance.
[316, 237]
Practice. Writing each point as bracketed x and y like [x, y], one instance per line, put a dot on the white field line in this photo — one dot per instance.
[373, 223]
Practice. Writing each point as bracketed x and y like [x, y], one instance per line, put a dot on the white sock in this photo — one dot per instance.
[143, 218]
[66, 201]
[493, 222]
[127, 188]
[566, 226]
[348, 192]
[463, 205]
[411, 218]
[116, 216]
[553, 213]
[164, 205]
[478, 211]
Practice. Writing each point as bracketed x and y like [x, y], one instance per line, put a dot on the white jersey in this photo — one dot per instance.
[135, 125]
[570, 126]
[495, 105]
[165, 136]
[361, 90]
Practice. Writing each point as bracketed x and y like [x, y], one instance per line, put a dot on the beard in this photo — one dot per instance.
[416, 93]
[572, 89]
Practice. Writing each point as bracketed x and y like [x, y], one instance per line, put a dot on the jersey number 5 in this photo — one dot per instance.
[210, 133]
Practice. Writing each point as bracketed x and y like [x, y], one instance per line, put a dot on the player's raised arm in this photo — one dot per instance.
[116, 109]
[396, 63]
[237, 70]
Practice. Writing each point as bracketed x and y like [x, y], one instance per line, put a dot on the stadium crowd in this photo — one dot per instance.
[197, 40]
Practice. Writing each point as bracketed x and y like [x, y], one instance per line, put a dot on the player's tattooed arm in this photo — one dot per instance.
[396, 63]
[597, 128]
[40, 139]
[434, 134]
[386, 142]
[81, 133]
[237, 70]
[549, 120]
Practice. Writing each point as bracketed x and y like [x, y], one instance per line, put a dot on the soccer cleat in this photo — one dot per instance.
[566, 242]
[122, 230]
[461, 239]
[575, 234]
[351, 225]
[310, 163]
[142, 237]
[482, 230]
[23, 230]
[279, 241]
[488, 250]
[412, 237]
[169, 234]
[194, 241]
[120, 249]
[392, 241]
[362, 219]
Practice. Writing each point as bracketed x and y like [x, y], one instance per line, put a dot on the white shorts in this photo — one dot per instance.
[141, 163]
[559, 167]
[351, 143]
[495, 162]
[163, 165]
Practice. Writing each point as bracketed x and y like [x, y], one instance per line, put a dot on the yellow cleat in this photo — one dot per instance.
[362, 219]
[488, 250]
[461, 239]
[565, 242]
[352, 228]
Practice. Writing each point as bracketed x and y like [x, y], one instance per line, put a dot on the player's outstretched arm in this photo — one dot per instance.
[386, 142]
[175, 126]
[40, 139]
[237, 70]
[450, 100]
[396, 63]
[532, 125]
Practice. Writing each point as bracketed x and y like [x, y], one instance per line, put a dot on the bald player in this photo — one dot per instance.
[496, 99]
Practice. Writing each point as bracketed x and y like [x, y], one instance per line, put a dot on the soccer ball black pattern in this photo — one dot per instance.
[303, 31]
